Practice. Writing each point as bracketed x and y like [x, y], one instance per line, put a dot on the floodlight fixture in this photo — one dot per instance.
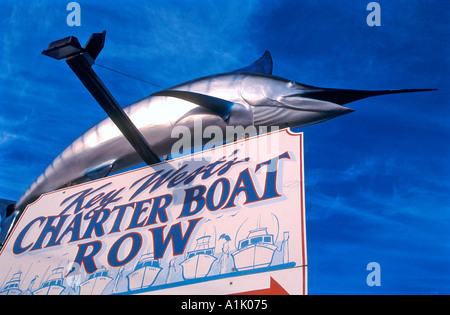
[63, 48]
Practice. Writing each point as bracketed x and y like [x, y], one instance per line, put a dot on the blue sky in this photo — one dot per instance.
[377, 180]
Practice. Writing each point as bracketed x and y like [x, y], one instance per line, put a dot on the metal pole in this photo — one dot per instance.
[81, 66]
[80, 60]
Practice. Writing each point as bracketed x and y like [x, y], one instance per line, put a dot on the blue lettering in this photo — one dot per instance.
[119, 218]
[154, 178]
[223, 196]
[159, 210]
[175, 235]
[78, 202]
[113, 259]
[52, 230]
[139, 209]
[17, 248]
[194, 194]
[74, 228]
[244, 184]
[85, 259]
[270, 190]
[97, 218]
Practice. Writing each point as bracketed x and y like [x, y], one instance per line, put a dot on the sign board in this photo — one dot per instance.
[229, 220]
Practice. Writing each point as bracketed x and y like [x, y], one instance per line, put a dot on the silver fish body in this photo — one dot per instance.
[103, 146]
[257, 98]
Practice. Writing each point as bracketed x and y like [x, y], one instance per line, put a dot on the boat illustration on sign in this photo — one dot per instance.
[199, 261]
[96, 282]
[53, 285]
[12, 286]
[145, 273]
[255, 251]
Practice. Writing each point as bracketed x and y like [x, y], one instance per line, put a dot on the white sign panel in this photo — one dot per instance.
[231, 215]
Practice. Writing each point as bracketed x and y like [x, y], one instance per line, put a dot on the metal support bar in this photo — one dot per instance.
[81, 61]
[80, 65]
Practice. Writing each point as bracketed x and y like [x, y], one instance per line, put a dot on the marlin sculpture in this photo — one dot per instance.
[250, 96]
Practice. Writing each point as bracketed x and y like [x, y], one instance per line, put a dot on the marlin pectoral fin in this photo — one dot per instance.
[219, 106]
[263, 65]
[342, 97]
[101, 171]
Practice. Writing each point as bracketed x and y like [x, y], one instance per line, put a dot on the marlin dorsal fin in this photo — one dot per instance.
[262, 65]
